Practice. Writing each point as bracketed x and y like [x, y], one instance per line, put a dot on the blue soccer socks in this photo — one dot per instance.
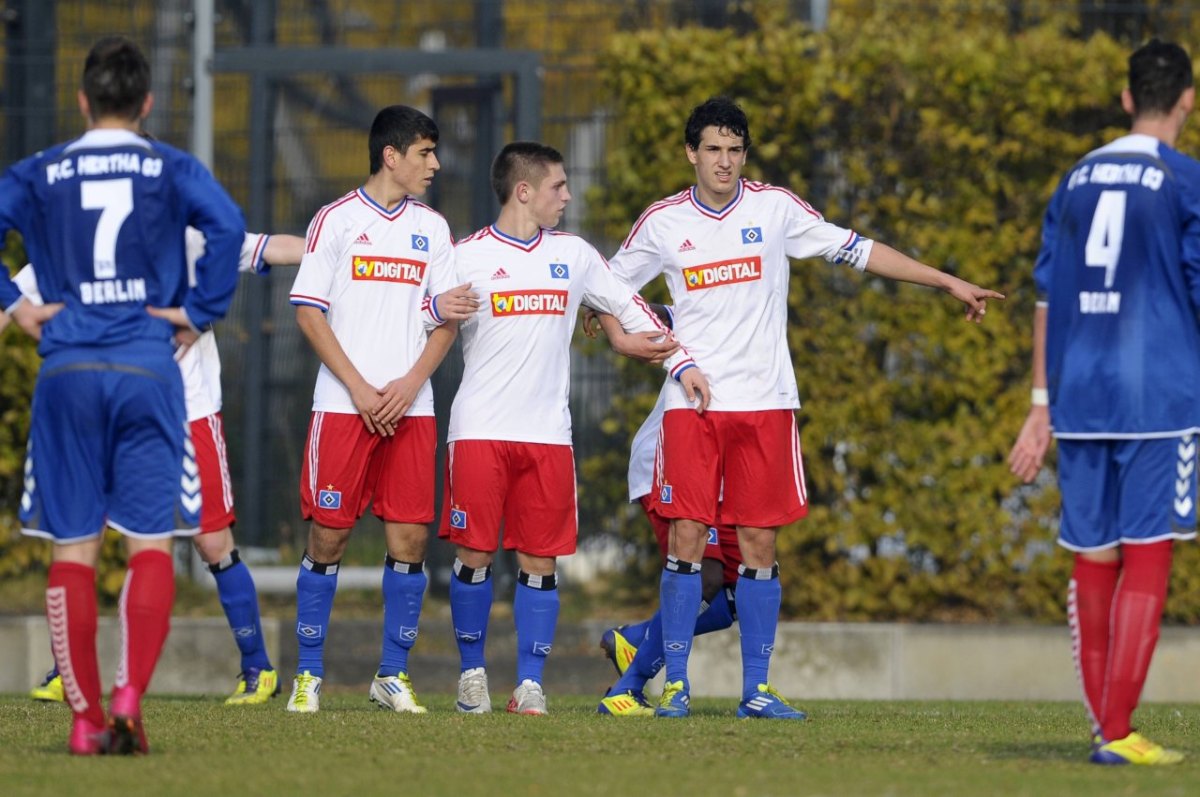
[239, 599]
[470, 607]
[758, 599]
[535, 612]
[315, 587]
[679, 596]
[403, 593]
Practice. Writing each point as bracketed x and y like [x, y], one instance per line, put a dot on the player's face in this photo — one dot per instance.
[413, 171]
[718, 160]
[550, 197]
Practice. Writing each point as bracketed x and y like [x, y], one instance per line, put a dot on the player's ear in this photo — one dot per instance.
[84, 108]
[691, 153]
[1127, 102]
[147, 104]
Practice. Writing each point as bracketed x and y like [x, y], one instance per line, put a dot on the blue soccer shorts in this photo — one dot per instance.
[1126, 491]
[107, 446]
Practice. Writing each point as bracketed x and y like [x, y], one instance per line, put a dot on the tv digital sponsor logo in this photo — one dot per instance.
[534, 302]
[726, 272]
[388, 269]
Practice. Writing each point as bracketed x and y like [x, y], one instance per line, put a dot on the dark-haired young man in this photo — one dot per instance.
[1116, 373]
[723, 245]
[376, 275]
[510, 458]
[103, 219]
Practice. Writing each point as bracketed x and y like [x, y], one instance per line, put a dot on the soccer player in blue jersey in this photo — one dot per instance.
[103, 220]
[1116, 378]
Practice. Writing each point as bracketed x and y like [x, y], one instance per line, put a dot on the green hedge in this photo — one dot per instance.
[947, 144]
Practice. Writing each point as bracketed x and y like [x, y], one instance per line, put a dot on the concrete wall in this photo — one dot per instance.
[812, 660]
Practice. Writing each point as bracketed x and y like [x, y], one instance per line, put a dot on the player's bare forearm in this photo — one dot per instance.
[887, 262]
[320, 336]
[283, 250]
[1029, 452]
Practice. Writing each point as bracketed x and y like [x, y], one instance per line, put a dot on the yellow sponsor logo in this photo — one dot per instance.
[388, 269]
[510, 303]
[726, 272]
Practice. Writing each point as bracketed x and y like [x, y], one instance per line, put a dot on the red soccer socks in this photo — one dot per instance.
[71, 611]
[1136, 615]
[145, 612]
[1089, 605]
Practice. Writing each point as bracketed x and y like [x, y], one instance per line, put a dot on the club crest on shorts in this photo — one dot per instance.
[664, 494]
[329, 498]
[458, 518]
[712, 535]
[420, 243]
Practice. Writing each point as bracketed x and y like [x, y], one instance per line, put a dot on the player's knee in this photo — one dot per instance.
[214, 546]
[326, 544]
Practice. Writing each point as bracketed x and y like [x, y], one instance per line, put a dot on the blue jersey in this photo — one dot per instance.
[1119, 271]
[103, 220]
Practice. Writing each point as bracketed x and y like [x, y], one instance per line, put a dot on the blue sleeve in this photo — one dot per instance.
[14, 207]
[1189, 198]
[1042, 267]
[209, 209]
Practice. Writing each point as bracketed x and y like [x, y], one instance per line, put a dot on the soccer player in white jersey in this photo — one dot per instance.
[209, 485]
[510, 460]
[723, 246]
[378, 265]
[1116, 373]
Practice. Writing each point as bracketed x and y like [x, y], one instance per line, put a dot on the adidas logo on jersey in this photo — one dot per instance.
[363, 239]
[500, 274]
[686, 246]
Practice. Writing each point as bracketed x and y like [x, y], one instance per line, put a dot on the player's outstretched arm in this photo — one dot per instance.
[397, 396]
[365, 397]
[887, 262]
[283, 250]
[457, 304]
[1028, 453]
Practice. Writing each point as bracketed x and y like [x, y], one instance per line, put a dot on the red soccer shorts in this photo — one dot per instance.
[216, 487]
[722, 542]
[735, 468]
[528, 486]
[346, 467]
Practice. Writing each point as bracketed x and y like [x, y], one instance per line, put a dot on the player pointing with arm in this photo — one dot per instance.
[723, 246]
[1116, 370]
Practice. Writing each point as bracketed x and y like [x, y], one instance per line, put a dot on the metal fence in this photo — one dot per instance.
[289, 134]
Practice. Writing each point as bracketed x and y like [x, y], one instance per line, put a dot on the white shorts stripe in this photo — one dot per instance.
[314, 449]
[217, 430]
[798, 464]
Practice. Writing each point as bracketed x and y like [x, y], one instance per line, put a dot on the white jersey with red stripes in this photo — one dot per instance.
[374, 271]
[201, 363]
[517, 348]
[728, 274]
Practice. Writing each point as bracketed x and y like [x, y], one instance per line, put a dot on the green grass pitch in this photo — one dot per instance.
[201, 747]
